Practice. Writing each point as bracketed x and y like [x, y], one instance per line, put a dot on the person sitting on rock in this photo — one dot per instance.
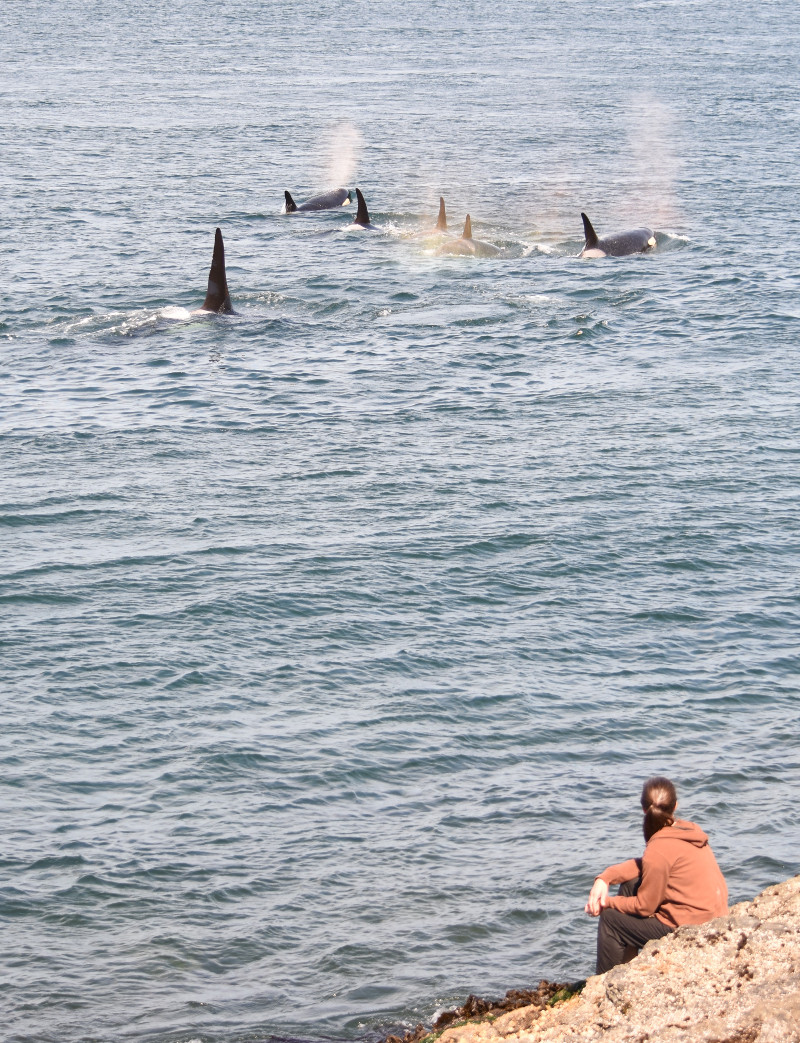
[676, 881]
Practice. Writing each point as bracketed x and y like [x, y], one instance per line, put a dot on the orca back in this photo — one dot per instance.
[217, 298]
[618, 244]
[636, 241]
[328, 201]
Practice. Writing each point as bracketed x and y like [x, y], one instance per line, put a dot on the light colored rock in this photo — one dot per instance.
[733, 980]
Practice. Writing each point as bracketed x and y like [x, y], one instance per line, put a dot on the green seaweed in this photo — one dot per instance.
[566, 993]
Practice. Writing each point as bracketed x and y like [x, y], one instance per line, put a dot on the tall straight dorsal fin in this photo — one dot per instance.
[441, 224]
[362, 217]
[218, 298]
[467, 228]
[291, 206]
[592, 238]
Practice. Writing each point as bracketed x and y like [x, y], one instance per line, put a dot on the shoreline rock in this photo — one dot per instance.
[735, 979]
[475, 1008]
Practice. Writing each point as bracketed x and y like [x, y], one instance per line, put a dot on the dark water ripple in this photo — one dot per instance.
[337, 637]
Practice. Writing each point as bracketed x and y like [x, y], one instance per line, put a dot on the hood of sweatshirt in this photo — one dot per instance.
[681, 830]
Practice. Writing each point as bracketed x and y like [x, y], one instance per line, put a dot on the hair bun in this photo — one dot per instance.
[658, 803]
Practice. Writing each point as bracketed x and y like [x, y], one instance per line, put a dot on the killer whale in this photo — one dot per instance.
[361, 220]
[620, 244]
[441, 221]
[439, 229]
[218, 300]
[466, 246]
[327, 201]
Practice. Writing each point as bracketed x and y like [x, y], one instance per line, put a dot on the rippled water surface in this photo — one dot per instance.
[338, 634]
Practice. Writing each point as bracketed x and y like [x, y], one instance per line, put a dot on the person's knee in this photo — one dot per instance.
[609, 918]
[630, 887]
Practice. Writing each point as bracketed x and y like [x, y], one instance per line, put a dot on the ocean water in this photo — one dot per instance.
[338, 635]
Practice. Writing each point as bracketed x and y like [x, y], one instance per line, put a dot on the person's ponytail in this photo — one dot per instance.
[659, 799]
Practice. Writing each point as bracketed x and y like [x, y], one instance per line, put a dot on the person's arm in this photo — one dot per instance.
[598, 897]
[621, 872]
[652, 890]
[618, 874]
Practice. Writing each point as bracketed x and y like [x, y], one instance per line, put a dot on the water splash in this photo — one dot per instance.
[656, 165]
[343, 150]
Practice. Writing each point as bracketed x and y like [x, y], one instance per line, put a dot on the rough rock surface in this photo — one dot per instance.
[474, 1008]
[733, 980]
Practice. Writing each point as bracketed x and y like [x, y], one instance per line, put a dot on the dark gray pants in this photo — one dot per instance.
[621, 935]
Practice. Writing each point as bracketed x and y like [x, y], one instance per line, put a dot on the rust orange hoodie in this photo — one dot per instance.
[681, 881]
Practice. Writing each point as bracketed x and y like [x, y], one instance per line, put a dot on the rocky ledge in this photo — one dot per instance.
[733, 980]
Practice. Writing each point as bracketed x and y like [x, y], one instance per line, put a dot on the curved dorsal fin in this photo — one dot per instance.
[441, 224]
[467, 228]
[362, 217]
[591, 236]
[217, 297]
[291, 206]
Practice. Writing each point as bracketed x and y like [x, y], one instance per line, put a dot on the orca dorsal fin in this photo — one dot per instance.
[467, 228]
[441, 223]
[592, 238]
[291, 206]
[362, 216]
[217, 298]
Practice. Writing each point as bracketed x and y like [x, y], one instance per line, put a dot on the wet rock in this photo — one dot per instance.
[529, 1001]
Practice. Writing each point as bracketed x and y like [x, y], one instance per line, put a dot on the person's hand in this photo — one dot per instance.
[598, 898]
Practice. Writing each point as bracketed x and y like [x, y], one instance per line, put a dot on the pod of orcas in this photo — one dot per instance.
[618, 244]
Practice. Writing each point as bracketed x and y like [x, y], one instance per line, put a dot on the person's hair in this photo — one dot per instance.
[658, 804]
